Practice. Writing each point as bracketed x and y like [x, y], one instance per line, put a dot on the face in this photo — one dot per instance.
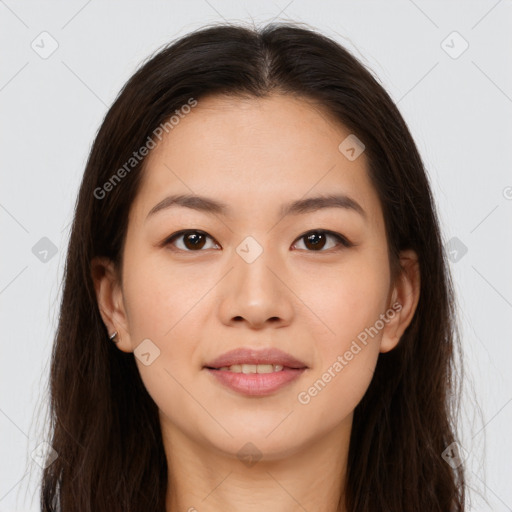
[313, 281]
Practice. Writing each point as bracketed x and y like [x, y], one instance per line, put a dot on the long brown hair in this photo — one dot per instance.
[105, 426]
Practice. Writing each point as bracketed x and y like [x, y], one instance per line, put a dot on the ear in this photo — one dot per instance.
[109, 295]
[405, 295]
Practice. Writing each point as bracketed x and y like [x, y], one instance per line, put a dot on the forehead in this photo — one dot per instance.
[253, 152]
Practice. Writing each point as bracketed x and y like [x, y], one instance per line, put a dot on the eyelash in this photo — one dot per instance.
[344, 242]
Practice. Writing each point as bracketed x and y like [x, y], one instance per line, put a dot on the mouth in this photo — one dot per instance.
[255, 372]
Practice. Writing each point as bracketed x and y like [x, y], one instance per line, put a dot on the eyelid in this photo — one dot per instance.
[343, 240]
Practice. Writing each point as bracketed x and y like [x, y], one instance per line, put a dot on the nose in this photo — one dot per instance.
[256, 294]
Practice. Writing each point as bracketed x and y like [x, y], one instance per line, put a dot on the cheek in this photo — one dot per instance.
[348, 298]
[166, 306]
[350, 301]
[332, 394]
[159, 297]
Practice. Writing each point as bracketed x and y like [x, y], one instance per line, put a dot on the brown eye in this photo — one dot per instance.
[316, 241]
[190, 240]
[194, 241]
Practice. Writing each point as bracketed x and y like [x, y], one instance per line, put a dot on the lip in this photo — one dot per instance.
[256, 384]
[256, 356]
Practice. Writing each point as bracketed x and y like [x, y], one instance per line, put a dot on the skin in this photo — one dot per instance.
[254, 155]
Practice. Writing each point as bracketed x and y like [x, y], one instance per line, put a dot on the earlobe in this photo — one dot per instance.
[404, 300]
[109, 297]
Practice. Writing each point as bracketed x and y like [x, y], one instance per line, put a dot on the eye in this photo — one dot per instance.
[193, 240]
[316, 240]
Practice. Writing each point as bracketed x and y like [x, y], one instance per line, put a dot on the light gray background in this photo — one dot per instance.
[459, 111]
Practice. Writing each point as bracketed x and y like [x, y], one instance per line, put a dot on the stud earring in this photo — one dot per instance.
[112, 337]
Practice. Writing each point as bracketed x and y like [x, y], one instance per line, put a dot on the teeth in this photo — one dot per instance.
[252, 368]
[249, 368]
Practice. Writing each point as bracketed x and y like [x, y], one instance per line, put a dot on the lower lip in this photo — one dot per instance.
[257, 384]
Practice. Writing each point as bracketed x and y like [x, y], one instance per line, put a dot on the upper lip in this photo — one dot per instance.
[256, 356]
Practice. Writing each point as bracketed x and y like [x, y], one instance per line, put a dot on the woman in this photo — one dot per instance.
[257, 312]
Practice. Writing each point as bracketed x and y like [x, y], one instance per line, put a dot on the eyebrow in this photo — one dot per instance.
[298, 207]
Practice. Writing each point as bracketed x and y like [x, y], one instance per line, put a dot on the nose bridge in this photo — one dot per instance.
[253, 290]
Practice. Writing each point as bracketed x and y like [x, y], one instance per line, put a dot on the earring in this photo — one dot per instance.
[112, 337]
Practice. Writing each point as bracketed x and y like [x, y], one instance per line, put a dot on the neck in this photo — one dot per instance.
[202, 478]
